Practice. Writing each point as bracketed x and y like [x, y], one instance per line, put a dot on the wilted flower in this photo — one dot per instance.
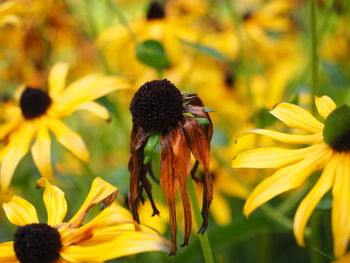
[160, 110]
[109, 235]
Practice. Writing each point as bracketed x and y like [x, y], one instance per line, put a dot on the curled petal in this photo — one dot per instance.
[100, 191]
[271, 157]
[325, 105]
[55, 203]
[118, 245]
[341, 209]
[296, 117]
[309, 203]
[20, 212]
[287, 138]
[286, 178]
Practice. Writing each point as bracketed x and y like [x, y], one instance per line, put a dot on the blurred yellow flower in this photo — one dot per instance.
[38, 112]
[330, 148]
[111, 234]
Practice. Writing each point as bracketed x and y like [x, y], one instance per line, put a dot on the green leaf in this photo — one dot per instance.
[152, 53]
[188, 114]
[189, 93]
[149, 148]
[212, 52]
[203, 121]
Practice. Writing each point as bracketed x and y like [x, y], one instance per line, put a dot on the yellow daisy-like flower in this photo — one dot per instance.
[38, 112]
[111, 234]
[329, 150]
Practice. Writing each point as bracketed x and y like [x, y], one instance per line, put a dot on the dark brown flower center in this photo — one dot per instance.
[34, 102]
[37, 243]
[155, 11]
[157, 106]
[229, 78]
[336, 132]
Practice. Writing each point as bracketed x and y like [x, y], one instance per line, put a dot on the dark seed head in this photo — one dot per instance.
[247, 16]
[229, 79]
[37, 243]
[336, 132]
[34, 102]
[157, 106]
[155, 11]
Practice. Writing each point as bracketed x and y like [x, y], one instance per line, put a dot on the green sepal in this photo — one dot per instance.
[188, 114]
[207, 109]
[189, 93]
[149, 147]
[203, 121]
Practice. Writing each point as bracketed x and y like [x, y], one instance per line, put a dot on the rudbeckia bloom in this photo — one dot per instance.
[39, 111]
[329, 149]
[109, 235]
[160, 110]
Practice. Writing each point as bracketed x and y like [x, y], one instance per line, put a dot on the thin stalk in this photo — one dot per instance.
[314, 54]
[203, 239]
[315, 239]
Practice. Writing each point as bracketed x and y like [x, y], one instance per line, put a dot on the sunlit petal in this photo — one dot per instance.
[287, 138]
[69, 139]
[296, 117]
[20, 212]
[95, 109]
[55, 203]
[271, 157]
[57, 78]
[7, 254]
[286, 178]
[309, 203]
[325, 105]
[15, 150]
[41, 149]
[341, 208]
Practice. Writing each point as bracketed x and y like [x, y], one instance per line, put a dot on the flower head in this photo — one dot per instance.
[39, 111]
[329, 150]
[111, 234]
[182, 123]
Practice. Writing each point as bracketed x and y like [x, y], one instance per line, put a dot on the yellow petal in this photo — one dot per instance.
[57, 78]
[55, 203]
[325, 105]
[287, 138]
[95, 109]
[88, 89]
[7, 253]
[220, 210]
[15, 150]
[41, 149]
[309, 203]
[69, 139]
[7, 127]
[125, 243]
[271, 157]
[112, 215]
[20, 212]
[100, 191]
[341, 208]
[345, 259]
[296, 117]
[286, 178]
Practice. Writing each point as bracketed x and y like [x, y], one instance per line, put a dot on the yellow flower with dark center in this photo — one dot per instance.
[111, 234]
[39, 111]
[329, 150]
[182, 124]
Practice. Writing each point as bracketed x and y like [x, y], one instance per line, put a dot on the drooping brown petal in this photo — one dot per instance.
[148, 187]
[200, 112]
[136, 168]
[169, 182]
[182, 168]
[199, 143]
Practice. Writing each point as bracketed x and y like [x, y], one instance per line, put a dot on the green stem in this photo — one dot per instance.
[203, 239]
[315, 239]
[314, 55]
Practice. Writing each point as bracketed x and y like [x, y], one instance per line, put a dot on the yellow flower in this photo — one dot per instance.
[109, 235]
[38, 112]
[329, 150]
[344, 259]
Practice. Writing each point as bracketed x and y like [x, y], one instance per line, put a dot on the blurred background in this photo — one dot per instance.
[241, 56]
